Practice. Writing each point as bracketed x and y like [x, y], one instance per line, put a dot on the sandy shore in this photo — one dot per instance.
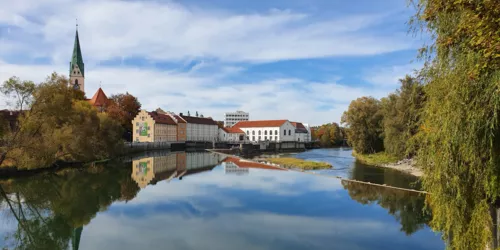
[407, 166]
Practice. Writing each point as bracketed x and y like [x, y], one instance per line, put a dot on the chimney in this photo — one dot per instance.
[180, 114]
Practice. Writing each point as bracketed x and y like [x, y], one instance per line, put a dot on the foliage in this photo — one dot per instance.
[299, 163]
[460, 146]
[375, 159]
[124, 108]
[402, 111]
[329, 135]
[60, 128]
[21, 91]
[406, 207]
[364, 119]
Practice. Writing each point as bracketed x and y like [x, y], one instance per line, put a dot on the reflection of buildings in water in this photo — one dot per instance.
[174, 165]
[231, 168]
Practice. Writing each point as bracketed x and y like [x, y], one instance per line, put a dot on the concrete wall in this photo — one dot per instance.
[202, 132]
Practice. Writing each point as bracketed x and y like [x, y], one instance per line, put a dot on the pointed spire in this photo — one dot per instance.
[76, 58]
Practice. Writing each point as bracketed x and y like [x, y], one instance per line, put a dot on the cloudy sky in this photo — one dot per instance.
[301, 60]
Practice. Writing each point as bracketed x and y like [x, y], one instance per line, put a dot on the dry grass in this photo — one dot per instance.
[299, 163]
[376, 159]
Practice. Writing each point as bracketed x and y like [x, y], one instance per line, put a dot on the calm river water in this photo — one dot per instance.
[178, 200]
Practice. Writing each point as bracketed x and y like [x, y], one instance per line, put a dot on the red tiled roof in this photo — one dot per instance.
[259, 124]
[99, 98]
[161, 118]
[199, 120]
[233, 130]
[250, 164]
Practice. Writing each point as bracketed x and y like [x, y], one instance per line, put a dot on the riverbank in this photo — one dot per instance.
[384, 160]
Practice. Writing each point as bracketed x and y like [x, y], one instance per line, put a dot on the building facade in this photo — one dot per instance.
[302, 132]
[231, 134]
[267, 130]
[200, 129]
[154, 127]
[231, 118]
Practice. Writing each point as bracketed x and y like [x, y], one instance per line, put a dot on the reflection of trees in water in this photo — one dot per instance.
[52, 208]
[407, 207]
[386, 176]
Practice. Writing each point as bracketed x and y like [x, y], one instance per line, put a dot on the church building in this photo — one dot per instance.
[77, 77]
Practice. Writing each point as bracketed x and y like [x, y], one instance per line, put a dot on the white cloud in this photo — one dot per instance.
[388, 77]
[169, 31]
[183, 91]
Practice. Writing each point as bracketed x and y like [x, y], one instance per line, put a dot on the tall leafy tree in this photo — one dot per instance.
[364, 120]
[402, 115]
[460, 135]
[124, 108]
[20, 91]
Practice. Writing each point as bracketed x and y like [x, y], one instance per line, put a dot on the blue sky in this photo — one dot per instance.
[302, 60]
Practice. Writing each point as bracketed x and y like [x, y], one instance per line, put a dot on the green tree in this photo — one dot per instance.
[402, 111]
[364, 120]
[460, 134]
[20, 91]
[60, 128]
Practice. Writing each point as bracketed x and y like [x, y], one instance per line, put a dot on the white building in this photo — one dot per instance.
[267, 130]
[200, 129]
[232, 134]
[231, 118]
[302, 132]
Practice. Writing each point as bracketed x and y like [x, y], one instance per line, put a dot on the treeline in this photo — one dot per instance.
[57, 124]
[329, 135]
[389, 124]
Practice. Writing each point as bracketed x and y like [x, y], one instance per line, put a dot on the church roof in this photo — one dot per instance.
[76, 58]
[99, 98]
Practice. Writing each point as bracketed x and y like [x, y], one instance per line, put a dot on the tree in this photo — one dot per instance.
[60, 128]
[402, 111]
[124, 108]
[364, 119]
[196, 113]
[21, 91]
[189, 113]
[460, 131]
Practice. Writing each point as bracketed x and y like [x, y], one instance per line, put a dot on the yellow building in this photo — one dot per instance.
[154, 127]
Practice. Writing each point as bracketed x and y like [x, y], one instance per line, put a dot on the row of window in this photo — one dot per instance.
[270, 132]
[265, 138]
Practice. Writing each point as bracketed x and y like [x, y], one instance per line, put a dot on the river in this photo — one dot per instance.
[200, 200]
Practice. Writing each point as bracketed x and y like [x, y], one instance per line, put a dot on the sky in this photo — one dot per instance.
[301, 60]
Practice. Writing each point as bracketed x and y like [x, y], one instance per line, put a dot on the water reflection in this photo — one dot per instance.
[264, 208]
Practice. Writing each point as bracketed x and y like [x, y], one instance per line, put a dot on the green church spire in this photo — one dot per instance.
[77, 58]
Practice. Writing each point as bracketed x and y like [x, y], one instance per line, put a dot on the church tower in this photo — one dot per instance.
[76, 66]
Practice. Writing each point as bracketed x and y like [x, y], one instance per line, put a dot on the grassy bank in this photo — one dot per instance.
[299, 163]
[376, 159]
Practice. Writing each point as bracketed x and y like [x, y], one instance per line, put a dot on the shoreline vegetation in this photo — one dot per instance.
[384, 160]
[289, 162]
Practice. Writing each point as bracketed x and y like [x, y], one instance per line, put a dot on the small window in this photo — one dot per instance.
[259, 138]
[265, 138]
[253, 138]
[265, 132]
[149, 135]
[276, 132]
[137, 124]
[275, 138]
[248, 132]
[74, 72]
[259, 133]
[284, 132]
[253, 133]
[289, 132]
